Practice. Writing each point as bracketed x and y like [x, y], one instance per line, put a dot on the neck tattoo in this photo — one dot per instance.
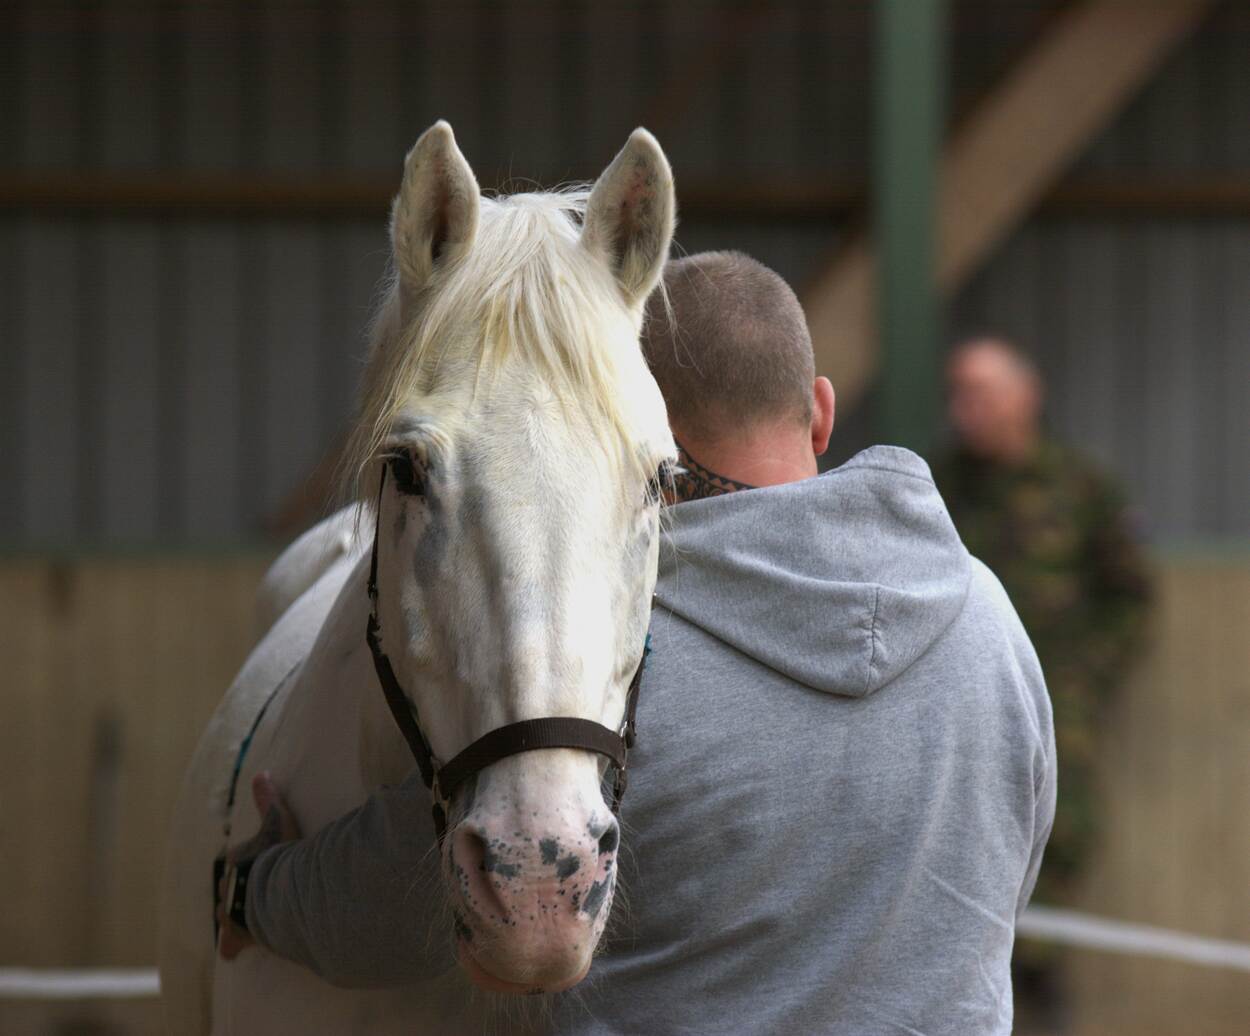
[692, 481]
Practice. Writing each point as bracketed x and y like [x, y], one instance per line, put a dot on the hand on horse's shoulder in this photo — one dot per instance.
[278, 825]
[277, 821]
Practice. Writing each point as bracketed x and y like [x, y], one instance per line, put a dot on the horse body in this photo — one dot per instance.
[302, 563]
[328, 734]
[510, 422]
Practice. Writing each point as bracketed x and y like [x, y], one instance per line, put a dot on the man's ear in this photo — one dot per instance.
[434, 217]
[823, 406]
[630, 216]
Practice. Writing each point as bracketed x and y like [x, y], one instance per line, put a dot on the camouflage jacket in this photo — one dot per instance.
[1057, 533]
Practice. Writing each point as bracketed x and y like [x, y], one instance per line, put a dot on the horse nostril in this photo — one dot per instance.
[478, 870]
[610, 839]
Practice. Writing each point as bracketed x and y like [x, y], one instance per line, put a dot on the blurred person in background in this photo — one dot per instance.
[1057, 533]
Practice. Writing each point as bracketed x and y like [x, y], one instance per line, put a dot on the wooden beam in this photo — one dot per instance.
[1003, 158]
[178, 191]
[1126, 193]
[1150, 194]
[369, 196]
[1045, 114]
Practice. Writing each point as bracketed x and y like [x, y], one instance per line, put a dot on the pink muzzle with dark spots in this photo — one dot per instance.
[529, 910]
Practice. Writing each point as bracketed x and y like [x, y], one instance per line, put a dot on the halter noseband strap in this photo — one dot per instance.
[443, 779]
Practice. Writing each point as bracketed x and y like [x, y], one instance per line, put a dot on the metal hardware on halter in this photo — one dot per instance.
[443, 779]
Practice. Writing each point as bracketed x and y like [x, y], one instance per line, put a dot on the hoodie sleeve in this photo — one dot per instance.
[1045, 785]
[359, 902]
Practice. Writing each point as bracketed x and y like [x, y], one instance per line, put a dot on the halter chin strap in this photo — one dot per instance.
[443, 779]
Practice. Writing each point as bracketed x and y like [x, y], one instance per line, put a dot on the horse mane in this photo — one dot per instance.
[535, 293]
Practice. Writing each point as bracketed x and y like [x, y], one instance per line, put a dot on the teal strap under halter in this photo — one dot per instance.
[247, 741]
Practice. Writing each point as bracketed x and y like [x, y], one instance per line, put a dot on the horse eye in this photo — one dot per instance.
[657, 483]
[408, 477]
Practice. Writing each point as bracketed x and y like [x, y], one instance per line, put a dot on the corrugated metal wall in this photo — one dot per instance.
[1142, 326]
[170, 378]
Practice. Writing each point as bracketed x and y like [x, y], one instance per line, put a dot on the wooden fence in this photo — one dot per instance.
[110, 668]
[108, 673]
[1176, 843]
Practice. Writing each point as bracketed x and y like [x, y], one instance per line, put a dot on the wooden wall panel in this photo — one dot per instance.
[89, 1018]
[1176, 780]
[111, 668]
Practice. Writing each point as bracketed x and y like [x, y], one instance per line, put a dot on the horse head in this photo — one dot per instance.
[524, 443]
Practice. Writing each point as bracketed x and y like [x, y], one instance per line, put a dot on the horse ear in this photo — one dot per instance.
[435, 213]
[631, 214]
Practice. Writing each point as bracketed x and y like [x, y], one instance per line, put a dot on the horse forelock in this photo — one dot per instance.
[526, 291]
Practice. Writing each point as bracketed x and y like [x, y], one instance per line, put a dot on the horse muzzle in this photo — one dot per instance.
[530, 898]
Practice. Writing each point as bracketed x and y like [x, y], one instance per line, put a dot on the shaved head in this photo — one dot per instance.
[731, 350]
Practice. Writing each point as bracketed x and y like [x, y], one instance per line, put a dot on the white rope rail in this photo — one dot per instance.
[79, 983]
[1098, 933]
[1038, 922]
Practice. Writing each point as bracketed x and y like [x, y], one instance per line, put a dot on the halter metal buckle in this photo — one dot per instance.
[619, 784]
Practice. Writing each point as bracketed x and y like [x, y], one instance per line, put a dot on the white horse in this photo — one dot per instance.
[521, 432]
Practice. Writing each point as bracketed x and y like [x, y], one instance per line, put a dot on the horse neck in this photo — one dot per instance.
[351, 708]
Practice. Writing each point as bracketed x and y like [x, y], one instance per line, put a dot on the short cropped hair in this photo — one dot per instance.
[731, 348]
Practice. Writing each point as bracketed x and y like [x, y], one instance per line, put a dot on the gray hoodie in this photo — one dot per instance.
[843, 785]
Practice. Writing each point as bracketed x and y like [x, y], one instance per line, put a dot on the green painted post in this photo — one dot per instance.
[908, 105]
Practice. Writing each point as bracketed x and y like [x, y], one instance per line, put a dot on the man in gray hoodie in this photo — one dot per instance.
[845, 773]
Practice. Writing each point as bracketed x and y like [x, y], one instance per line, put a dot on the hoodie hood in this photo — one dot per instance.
[839, 582]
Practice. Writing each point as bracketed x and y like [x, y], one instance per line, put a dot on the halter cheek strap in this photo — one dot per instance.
[444, 779]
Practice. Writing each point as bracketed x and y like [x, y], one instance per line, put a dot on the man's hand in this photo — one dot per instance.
[277, 825]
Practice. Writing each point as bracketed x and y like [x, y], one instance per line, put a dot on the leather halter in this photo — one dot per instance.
[443, 779]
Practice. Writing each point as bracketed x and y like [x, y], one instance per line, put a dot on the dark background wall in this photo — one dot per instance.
[169, 374]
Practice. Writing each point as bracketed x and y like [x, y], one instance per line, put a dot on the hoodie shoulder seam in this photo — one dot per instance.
[872, 634]
[926, 479]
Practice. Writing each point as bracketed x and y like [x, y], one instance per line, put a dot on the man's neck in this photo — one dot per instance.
[695, 482]
[727, 466]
